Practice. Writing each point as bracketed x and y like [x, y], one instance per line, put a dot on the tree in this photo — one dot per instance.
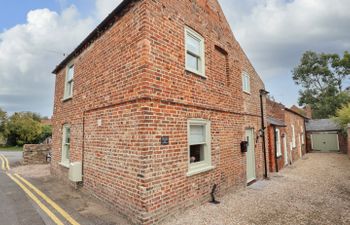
[321, 77]
[343, 117]
[26, 128]
[3, 126]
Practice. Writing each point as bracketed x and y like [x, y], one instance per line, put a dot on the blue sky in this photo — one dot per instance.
[13, 12]
[273, 33]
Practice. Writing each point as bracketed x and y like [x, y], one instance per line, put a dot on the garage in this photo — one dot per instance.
[327, 141]
[325, 135]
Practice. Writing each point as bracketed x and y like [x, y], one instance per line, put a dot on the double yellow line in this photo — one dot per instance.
[5, 165]
[31, 190]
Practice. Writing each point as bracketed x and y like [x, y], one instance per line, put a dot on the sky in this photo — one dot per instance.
[35, 35]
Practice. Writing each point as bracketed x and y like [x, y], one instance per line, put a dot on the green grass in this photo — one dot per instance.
[11, 148]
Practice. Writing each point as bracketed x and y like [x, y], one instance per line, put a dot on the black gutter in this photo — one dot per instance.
[97, 32]
[263, 93]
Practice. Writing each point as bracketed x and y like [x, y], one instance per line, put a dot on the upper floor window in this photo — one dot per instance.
[68, 87]
[246, 82]
[199, 147]
[65, 145]
[194, 46]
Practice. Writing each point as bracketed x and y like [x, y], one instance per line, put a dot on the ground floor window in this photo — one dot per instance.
[65, 145]
[278, 143]
[199, 145]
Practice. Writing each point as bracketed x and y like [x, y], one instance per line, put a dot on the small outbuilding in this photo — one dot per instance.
[325, 135]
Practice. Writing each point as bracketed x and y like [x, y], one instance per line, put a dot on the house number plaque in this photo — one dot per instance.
[164, 140]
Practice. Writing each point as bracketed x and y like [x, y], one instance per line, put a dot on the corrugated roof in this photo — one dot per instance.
[275, 122]
[322, 125]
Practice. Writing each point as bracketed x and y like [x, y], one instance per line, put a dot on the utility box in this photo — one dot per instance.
[75, 172]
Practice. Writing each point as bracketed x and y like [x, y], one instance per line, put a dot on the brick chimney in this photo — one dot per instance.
[308, 111]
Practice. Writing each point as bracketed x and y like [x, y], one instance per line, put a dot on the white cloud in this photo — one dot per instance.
[275, 33]
[29, 52]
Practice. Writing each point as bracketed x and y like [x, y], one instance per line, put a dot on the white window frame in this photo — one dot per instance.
[201, 57]
[293, 137]
[69, 93]
[302, 136]
[64, 160]
[206, 164]
[278, 143]
[246, 82]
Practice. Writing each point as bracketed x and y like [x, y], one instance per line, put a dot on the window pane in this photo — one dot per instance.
[69, 89]
[197, 134]
[70, 73]
[67, 135]
[67, 151]
[193, 44]
[192, 62]
[246, 83]
[196, 153]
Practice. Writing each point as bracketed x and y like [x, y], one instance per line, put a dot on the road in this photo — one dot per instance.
[15, 207]
[25, 200]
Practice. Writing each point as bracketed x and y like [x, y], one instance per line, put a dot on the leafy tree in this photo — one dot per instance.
[321, 77]
[26, 128]
[3, 126]
[343, 117]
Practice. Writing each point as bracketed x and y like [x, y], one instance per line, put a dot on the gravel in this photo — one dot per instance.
[313, 191]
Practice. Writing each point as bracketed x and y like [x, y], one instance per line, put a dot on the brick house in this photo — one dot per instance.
[295, 134]
[286, 134]
[276, 132]
[155, 103]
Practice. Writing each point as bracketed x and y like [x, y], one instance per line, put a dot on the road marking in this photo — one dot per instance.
[49, 201]
[7, 164]
[36, 200]
[2, 163]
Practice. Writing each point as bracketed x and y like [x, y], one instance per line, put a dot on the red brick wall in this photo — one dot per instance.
[272, 149]
[132, 80]
[343, 142]
[298, 122]
[275, 109]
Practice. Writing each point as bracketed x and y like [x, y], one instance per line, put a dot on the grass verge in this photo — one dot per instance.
[11, 148]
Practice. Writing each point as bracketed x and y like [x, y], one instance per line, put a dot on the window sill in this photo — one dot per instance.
[196, 73]
[279, 156]
[246, 92]
[67, 99]
[64, 164]
[199, 170]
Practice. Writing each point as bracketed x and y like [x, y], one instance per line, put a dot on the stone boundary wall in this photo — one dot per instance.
[35, 154]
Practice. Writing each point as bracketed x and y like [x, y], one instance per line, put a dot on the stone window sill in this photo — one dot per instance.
[199, 170]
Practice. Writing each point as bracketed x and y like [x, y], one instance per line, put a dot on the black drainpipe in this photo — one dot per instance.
[263, 93]
[83, 148]
[275, 143]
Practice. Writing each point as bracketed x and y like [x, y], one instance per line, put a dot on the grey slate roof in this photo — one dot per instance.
[276, 122]
[322, 125]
